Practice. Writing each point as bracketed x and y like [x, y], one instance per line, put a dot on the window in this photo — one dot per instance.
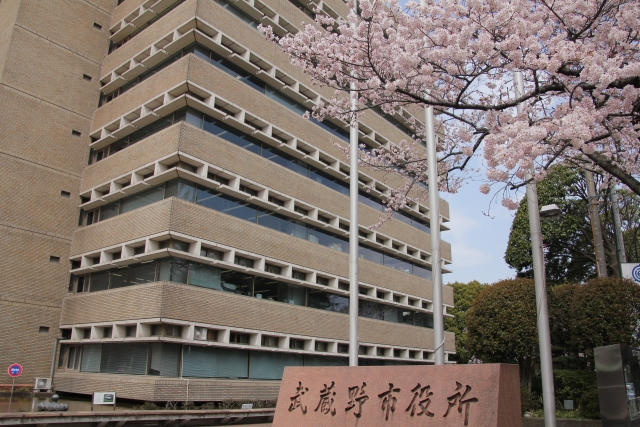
[322, 281]
[130, 331]
[211, 253]
[299, 275]
[173, 331]
[65, 334]
[205, 334]
[86, 333]
[65, 194]
[249, 190]
[324, 219]
[296, 344]
[363, 350]
[380, 352]
[321, 346]
[238, 338]
[244, 262]
[270, 268]
[343, 286]
[97, 26]
[138, 250]
[86, 77]
[343, 348]
[54, 259]
[43, 330]
[73, 357]
[268, 341]
[107, 332]
[276, 201]
[174, 244]
[75, 132]
[301, 210]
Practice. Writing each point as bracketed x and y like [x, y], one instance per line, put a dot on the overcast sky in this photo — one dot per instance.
[478, 241]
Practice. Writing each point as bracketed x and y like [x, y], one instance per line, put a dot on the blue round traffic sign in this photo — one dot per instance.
[15, 370]
[635, 273]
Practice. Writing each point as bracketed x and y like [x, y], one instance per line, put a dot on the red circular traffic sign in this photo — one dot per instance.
[15, 370]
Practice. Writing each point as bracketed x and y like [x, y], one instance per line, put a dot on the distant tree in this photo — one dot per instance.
[568, 240]
[501, 326]
[605, 312]
[463, 296]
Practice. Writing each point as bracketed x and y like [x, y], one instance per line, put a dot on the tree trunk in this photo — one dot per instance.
[526, 372]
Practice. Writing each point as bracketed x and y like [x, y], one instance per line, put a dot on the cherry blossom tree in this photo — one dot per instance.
[579, 59]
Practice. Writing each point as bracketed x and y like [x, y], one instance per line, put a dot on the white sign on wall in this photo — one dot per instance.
[104, 398]
[631, 271]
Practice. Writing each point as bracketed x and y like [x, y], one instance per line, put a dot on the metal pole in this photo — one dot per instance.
[617, 227]
[544, 336]
[53, 360]
[13, 380]
[434, 222]
[353, 223]
[594, 213]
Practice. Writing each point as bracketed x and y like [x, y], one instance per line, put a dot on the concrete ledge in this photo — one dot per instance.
[561, 422]
[140, 418]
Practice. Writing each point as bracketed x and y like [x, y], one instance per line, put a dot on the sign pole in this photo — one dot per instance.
[13, 381]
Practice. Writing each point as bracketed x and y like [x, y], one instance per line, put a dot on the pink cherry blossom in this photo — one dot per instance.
[579, 59]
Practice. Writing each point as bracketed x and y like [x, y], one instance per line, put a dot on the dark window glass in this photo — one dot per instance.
[173, 270]
[237, 282]
[182, 189]
[109, 211]
[283, 224]
[397, 263]
[225, 204]
[99, 281]
[265, 289]
[326, 301]
[370, 309]
[143, 198]
[370, 254]
[285, 160]
[134, 274]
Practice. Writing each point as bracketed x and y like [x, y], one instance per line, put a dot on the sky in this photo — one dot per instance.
[478, 241]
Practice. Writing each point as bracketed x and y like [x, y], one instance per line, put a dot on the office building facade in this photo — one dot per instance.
[173, 227]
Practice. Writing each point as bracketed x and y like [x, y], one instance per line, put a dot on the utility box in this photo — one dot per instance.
[618, 373]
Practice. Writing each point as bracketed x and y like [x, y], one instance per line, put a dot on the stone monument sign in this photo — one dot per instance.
[444, 396]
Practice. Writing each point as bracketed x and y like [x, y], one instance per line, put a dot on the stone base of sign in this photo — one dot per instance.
[444, 396]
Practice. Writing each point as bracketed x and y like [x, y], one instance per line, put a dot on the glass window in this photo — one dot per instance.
[370, 309]
[231, 134]
[108, 211]
[194, 117]
[283, 224]
[173, 270]
[282, 159]
[265, 289]
[157, 126]
[325, 301]
[267, 365]
[205, 276]
[134, 274]
[291, 294]
[397, 263]
[99, 281]
[164, 359]
[236, 282]
[421, 272]
[424, 319]
[225, 204]
[330, 181]
[212, 362]
[370, 254]
[325, 239]
[143, 198]
[182, 189]
[285, 100]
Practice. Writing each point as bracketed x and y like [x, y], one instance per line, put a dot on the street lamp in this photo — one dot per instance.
[550, 212]
[544, 336]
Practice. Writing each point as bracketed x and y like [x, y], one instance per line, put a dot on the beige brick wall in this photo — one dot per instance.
[60, 82]
[47, 141]
[221, 153]
[194, 220]
[21, 342]
[69, 24]
[28, 274]
[122, 10]
[8, 12]
[32, 197]
[189, 303]
[45, 47]
[148, 388]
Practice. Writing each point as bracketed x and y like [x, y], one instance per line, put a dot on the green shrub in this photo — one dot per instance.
[571, 385]
[528, 400]
[590, 404]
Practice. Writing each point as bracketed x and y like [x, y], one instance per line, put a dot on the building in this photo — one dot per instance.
[177, 221]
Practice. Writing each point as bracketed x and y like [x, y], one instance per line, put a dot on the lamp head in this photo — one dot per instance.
[550, 211]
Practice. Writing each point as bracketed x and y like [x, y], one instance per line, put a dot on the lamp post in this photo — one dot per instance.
[544, 336]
